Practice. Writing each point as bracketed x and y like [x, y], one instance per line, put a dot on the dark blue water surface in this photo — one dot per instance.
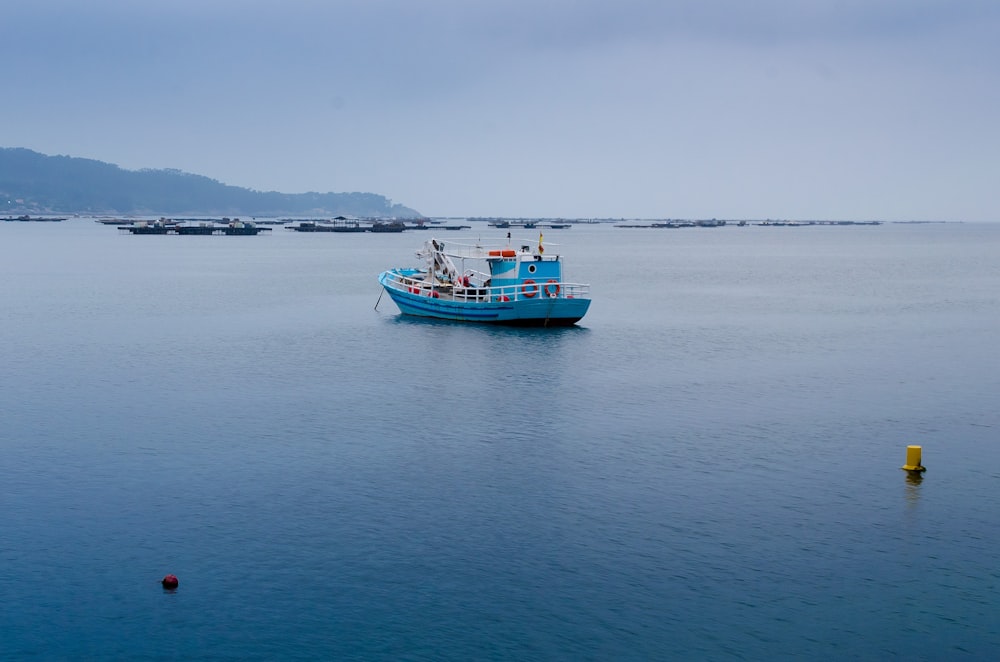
[707, 467]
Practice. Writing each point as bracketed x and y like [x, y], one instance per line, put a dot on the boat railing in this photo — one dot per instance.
[480, 252]
[485, 294]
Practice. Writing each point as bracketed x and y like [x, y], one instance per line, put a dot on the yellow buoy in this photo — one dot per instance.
[913, 459]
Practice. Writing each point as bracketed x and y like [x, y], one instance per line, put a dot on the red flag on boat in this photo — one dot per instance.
[541, 249]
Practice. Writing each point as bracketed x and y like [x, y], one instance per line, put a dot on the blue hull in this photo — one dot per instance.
[537, 311]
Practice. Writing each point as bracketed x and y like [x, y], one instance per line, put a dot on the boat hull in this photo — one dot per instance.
[535, 311]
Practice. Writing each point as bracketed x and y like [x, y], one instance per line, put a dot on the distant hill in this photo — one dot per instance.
[31, 182]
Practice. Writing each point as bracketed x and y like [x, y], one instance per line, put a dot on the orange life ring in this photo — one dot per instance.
[529, 291]
[552, 288]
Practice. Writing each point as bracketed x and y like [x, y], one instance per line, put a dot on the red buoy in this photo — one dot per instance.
[170, 581]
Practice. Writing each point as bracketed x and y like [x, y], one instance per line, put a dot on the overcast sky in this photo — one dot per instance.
[811, 109]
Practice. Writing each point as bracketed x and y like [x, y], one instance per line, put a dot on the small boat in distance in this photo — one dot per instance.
[498, 285]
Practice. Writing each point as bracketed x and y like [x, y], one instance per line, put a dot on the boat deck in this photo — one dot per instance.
[413, 283]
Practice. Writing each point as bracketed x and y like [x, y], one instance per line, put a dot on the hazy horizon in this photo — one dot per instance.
[639, 109]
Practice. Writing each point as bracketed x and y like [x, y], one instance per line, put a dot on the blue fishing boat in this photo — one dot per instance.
[502, 285]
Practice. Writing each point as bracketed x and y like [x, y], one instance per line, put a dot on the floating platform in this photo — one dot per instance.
[530, 225]
[315, 226]
[318, 226]
[36, 219]
[238, 230]
[195, 229]
[742, 223]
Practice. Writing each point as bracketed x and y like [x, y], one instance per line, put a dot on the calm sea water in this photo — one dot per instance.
[706, 468]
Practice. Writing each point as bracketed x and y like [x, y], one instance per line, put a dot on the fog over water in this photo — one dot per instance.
[682, 108]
